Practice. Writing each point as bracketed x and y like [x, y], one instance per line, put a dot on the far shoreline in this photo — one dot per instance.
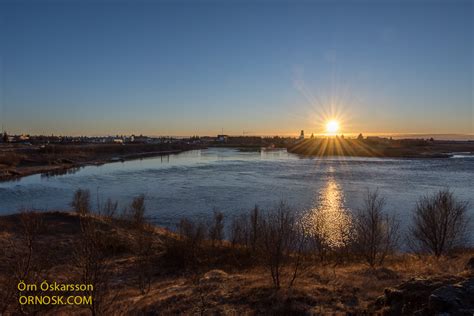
[377, 147]
[64, 163]
[307, 148]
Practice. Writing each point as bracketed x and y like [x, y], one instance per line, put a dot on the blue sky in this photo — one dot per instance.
[263, 67]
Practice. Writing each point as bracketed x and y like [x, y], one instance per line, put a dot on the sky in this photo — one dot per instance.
[186, 68]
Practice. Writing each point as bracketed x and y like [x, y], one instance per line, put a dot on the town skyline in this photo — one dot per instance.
[307, 134]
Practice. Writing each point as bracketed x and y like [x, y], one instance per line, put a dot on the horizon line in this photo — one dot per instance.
[464, 136]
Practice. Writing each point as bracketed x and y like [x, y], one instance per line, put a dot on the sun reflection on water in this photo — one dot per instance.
[329, 219]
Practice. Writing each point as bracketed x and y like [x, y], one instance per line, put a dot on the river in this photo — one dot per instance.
[193, 184]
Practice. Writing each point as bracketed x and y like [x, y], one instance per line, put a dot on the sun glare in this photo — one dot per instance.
[332, 127]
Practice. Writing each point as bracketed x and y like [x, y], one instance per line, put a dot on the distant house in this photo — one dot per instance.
[141, 139]
[302, 134]
[222, 138]
[118, 141]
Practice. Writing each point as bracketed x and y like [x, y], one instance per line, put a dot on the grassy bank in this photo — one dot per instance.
[138, 268]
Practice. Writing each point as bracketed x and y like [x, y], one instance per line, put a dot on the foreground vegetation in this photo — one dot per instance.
[262, 262]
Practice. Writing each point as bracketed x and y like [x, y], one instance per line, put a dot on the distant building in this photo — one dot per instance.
[302, 134]
[141, 139]
[222, 138]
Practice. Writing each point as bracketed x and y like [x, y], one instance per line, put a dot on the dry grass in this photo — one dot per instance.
[248, 290]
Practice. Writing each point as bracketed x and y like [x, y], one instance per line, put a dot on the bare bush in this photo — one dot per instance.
[26, 261]
[192, 233]
[245, 229]
[330, 234]
[109, 210]
[144, 255]
[318, 241]
[90, 258]
[81, 202]
[239, 232]
[144, 243]
[439, 223]
[216, 229]
[376, 232]
[136, 212]
[254, 222]
[185, 252]
[281, 244]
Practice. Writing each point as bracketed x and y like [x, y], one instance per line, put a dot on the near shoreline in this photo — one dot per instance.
[151, 273]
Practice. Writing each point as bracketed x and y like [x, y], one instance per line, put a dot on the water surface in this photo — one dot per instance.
[196, 182]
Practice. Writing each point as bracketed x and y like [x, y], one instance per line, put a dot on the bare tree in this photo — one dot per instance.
[186, 250]
[24, 259]
[144, 243]
[91, 260]
[254, 227]
[216, 230]
[280, 242]
[318, 239]
[377, 233]
[330, 234]
[144, 259]
[90, 254]
[439, 223]
[239, 234]
[137, 211]
[245, 229]
[81, 202]
[109, 209]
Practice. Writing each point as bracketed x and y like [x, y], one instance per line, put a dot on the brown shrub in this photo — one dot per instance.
[440, 224]
[376, 232]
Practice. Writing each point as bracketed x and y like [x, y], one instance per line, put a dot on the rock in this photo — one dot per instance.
[412, 296]
[457, 299]
[470, 264]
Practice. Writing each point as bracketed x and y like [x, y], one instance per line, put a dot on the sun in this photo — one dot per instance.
[332, 127]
